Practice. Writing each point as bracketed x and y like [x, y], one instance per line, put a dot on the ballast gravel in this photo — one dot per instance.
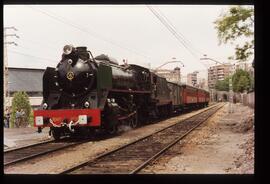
[59, 161]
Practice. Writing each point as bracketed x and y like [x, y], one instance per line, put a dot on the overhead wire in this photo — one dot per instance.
[179, 36]
[28, 49]
[39, 43]
[16, 52]
[31, 48]
[91, 33]
[174, 33]
[178, 33]
[165, 21]
[103, 37]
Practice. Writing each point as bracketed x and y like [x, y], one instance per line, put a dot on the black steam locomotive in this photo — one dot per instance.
[84, 93]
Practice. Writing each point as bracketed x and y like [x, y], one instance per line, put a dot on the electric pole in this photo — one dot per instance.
[5, 66]
[230, 96]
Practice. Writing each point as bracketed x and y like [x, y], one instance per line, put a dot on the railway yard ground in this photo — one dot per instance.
[223, 144]
[17, 137]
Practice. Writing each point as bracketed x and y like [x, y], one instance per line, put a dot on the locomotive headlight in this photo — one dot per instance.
[45, 105]
[86, 104]
[67, 49]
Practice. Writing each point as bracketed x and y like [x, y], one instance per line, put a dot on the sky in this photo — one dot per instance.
[129, 32]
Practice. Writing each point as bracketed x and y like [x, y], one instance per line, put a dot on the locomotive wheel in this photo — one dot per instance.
[56, 133]
[133, 123]
[113, 129]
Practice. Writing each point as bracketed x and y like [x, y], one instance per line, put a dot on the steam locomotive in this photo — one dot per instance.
[84, 93]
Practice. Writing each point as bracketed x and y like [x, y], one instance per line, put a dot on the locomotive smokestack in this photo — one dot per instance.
[82, 52]
[81, 49]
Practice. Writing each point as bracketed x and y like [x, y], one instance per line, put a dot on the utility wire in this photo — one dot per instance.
[27, 48]
[142, 53]
[174, 33]
[182, 36]
[31, 48]
[178, 32]
[91, 33]
[39, 43]
[16, 52]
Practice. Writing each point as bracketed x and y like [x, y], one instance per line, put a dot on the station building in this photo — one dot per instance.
[28, 80]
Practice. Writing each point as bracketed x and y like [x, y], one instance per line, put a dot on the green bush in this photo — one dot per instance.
[31, 118]
[20, 101]
[223, 85]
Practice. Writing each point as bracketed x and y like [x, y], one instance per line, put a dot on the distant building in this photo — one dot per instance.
[170, 75]
[202, 83]
[28, 80]
[218, 72]
[192, 79]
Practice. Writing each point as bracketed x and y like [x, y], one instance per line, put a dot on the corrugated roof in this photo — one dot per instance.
[25, 79]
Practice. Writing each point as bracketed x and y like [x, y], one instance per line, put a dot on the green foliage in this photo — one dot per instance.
[244, 52]
[235, 23]
[251, 83]
[241, 81]
[223, 85]
[20, 101]
[31, 118]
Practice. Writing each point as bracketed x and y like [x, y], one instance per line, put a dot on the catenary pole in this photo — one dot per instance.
[5, 66]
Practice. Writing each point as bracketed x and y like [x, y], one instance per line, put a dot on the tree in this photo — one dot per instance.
[241, 81]
[223, 85]
[234, 25]
[20, 101]
[31, 117]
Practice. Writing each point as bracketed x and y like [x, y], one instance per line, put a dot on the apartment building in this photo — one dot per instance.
[170, 75]
[218, 72]
[192, 79]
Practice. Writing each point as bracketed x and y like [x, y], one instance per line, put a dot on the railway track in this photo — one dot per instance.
[133, 157]
[25, 153]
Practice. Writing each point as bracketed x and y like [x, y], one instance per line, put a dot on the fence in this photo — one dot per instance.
[248, 99]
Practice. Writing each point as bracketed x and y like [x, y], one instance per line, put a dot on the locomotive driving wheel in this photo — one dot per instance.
[133, 122]
[113, 129]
